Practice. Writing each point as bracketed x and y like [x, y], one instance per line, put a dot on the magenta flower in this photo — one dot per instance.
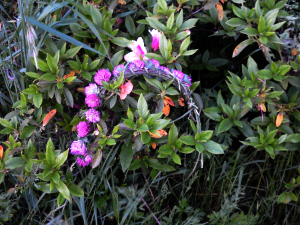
[78, 148]
[139, 64]
[92, 115]
[118, 69]
[102, 75]
[155, 62]
[155, 38]
[83, 128]
[91, 89]
[138, 51]
[178, 74]
[84, 162]
[165, 69]
[92, 100]
[188, 32]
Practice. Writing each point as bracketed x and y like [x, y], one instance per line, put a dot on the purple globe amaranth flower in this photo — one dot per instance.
[187, 80]
[118, 69]
[178, 74]
[165, 69]
[92, 115]
[131, 66]
[102, 75]
[155, 62]
[139, 64]
[92, 89]
[84, 162]
[92, 100]
[78, 148]
[83, 128]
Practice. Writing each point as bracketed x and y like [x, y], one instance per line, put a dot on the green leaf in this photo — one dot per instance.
[173, 134]
[155, 83]
[166, 149]
[205, 135]
[63, 189]
[142, 106]
[146, 137]
[293, 138]
[14, 163]
[225, 125]
[69, 97]
[73, 51]
[250, 31]
[33, 75]
[235, 22]
[238, 49]
[186, 150]
[143, 127]
[52, 64]
[176, 158]
[153, 22]
[188, 140]
[60, 199]
[50, 158]
[49, 76]
[136, 164]
[61, 158]
[126, 156]
[185, 44]
[6, 123]
[261, 24]
[75, 190]
[213, 147]
[265, 74]
[27, 131]
[37, 99]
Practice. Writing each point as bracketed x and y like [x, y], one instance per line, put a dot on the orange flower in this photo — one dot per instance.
[48, 117]
[125, 89]
[1, 151]
[181, 101]
[167, 102]
[279, 119]
[161, 133]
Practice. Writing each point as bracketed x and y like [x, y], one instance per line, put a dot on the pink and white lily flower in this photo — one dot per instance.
[138, 51]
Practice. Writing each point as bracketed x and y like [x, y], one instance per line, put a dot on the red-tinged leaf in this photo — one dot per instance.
[181, 101]
[125, 89]
[161, 133]
[166, 109]
[48, 117]
[71, 74]
[153, 145]
[279, 119]
[1, 151]
[169, 101]
[295, 51]
[238, 49]
[220, 11]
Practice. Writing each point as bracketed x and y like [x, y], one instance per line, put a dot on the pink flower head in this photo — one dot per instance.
[165, 69]
[155, 38]
[91, 89]
[188, 32]
[138, 50]
[92, 115]
[178, 74]
[83, 128]
[125, 89]
[92, 100]
[84, 162]
[102, 75]
[78, 148]
[139, 64]
[155, 62]
[118, 69]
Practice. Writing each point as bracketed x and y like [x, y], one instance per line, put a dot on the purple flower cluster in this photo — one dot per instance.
[91, 89]
[83, 128]
[93, 115]
[92, 100]
[102, 75]
[78, 148]
[178, 74]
